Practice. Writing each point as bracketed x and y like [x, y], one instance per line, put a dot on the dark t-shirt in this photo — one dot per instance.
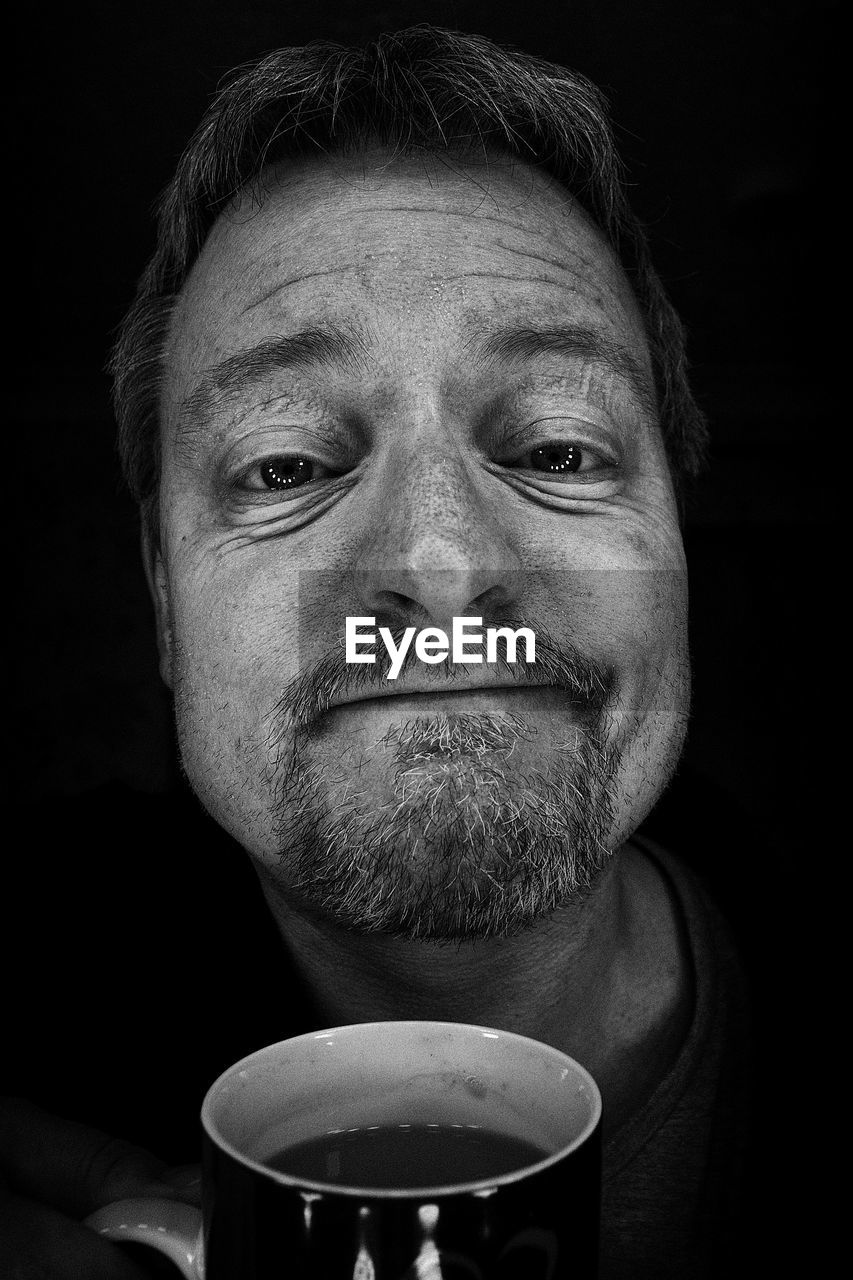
[674, 1172]
[142, 961]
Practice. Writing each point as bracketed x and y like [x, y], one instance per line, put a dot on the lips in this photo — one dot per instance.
[434, 691]
[562, 672]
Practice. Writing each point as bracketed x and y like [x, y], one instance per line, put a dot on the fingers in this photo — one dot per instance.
[56, 1170]
[38, 1243]
[69, 1166]
[185, 1179]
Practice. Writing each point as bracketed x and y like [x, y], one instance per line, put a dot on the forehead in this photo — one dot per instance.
[417, 254]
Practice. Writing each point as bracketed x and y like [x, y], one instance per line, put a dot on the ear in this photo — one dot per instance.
[155, 574]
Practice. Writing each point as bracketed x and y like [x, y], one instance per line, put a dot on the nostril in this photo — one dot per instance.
[395, 609]
[433, 597]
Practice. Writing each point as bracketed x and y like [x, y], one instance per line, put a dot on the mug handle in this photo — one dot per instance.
[170, 1226]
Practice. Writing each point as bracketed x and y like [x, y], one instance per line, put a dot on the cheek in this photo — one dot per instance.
[634, 623]
[649, 628]
[234, 611]
[664, 689]
[645, 613]
[644, 624]
[635, 605]
[632, 620]
[235, 648]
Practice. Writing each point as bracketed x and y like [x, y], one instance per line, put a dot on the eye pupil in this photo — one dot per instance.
[284, 473]
[556, 458]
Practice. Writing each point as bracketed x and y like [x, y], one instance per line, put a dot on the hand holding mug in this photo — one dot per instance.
[55, 1172]
[396, 1150]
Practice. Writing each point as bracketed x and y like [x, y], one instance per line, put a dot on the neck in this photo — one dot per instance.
[587, 980]
[518, 982]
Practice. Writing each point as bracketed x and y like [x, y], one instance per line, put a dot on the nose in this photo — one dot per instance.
[435, 597]
[439, 547]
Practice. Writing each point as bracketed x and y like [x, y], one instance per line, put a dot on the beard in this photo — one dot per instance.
[464, 843]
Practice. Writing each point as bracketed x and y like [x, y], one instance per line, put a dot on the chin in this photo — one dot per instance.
[471, 850]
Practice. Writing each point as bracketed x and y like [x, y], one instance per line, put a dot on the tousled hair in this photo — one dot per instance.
[422, 90]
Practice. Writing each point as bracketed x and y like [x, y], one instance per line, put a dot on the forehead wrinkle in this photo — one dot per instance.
[284, 284]
[349, 268]
[501, 275]
[475, 217]
[575, 256]
[448, 277]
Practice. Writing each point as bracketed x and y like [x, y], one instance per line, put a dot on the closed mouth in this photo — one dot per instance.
[439, 692]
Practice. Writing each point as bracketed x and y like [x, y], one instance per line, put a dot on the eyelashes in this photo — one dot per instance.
[561, 458]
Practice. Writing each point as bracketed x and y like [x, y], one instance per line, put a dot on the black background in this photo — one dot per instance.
[719, 107]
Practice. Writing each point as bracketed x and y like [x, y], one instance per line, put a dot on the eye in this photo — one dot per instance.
[558, 458]
[285, 471]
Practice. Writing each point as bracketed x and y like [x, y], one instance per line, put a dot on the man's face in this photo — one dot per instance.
[461, 424]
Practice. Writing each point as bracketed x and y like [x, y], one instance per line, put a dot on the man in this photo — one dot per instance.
[400, 356]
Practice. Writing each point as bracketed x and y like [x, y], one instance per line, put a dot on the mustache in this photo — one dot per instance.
[560, 664]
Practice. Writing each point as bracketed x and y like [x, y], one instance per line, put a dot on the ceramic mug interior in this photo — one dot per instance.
[400, 1073]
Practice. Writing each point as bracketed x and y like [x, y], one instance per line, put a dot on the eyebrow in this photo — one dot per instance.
[309, 349]
[336, 345]
[520, 343]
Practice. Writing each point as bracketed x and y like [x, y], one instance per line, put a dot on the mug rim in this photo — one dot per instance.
[483, 1186]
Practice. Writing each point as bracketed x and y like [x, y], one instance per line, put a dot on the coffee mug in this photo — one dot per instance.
[389, 1151]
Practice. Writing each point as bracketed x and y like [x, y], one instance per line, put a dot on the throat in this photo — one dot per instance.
[608, 980]
[532, 982]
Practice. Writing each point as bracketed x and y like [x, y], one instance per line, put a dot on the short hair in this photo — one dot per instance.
[421, 90]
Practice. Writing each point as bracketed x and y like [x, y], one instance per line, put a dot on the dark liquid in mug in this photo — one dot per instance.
[405, 1156]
